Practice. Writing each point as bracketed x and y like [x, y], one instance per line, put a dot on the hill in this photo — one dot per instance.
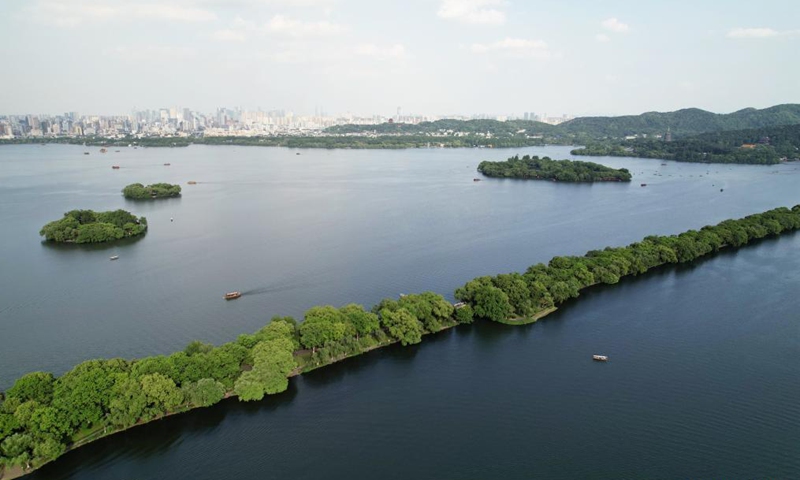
[690, 121]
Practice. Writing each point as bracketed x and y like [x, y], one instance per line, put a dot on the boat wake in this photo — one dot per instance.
[275, 288]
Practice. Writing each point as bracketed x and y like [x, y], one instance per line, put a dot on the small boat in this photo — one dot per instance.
[298, 153]
[86, 153]
[103, 150]
[476, 179]
[721, 190]
[600, 358]
[232, 295]
[166, 164]
[115, 167]
[663, 164]
[113, 257]
[192, 182]
[116, 151]
[644, 184]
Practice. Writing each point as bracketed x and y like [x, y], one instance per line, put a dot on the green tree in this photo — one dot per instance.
[204, 392]
[402, 325]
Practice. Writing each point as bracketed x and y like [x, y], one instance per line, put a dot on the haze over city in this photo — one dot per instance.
[432, 57]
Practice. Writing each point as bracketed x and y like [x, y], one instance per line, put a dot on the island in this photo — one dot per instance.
[137, 191]
[43, 416]
[535, 168]
[88, 226]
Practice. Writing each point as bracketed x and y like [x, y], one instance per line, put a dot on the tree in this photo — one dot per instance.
[128, 403]
[204, 392]
[364, 322]
[492, 303]
[402, 325]
[249, 387]
[47, 448]
[196, 347]
[37, 386]
[161, 393]
[464, 314]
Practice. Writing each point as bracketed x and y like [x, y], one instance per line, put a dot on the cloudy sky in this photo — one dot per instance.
[371, 56]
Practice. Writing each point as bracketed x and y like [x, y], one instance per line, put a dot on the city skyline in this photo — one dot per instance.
[433, 57]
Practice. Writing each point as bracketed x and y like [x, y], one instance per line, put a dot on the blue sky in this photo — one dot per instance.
[428, 56]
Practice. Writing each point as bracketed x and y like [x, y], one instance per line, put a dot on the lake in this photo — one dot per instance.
[702, 377]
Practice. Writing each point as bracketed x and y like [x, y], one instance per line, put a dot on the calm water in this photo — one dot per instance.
[702, 380]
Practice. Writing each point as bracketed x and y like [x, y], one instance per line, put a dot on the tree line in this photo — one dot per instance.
[761, 146]
[88, 226]
[521, 297]
[529, 167]
[137, 191]
[42, 415]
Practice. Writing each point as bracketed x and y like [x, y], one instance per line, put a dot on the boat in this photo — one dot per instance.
[116, 151]
[600, 358]
[192, 182]
[86, 153]
[663, 164]
[103, 150]
[232, 295]
[644, 184]
[166, 164]
[476, 179]
[721, 190]
[298, 153]
[115, 167]
[113, 257]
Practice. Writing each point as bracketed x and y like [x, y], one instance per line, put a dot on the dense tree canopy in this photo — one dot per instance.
[522, 296]
[137, 191]
[88, 226]
[764, 146]
[537, 168]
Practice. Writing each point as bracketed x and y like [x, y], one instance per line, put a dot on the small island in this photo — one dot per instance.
[535, 168]
[87, 226]
[137, 191]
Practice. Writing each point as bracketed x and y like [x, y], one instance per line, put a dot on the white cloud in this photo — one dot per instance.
[516, 47]
[615, 25]
[392, 52]
[479, 12]
[296, 28]
[228, 35]
[602, 38]
[151, 53]
[760, 33]
[71, 13]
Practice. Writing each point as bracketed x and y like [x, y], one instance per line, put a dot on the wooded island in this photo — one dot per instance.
[88, 226]
[536, 168]
[137, 191]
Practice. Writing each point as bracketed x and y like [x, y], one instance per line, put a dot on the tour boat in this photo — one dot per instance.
[600, 358]
[113, 257]
[115, 167]
[232, 295]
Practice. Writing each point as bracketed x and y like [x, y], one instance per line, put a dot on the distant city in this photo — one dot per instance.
[184, 122]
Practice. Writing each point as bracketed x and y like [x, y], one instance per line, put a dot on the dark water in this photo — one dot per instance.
[702, 380]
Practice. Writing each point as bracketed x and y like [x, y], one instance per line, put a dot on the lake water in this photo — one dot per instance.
[705, 358]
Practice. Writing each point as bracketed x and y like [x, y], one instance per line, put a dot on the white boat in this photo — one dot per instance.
[600, 358]
[113, 257]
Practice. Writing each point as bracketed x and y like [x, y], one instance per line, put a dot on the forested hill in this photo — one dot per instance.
[495, 127]
[767, 145]
[690, 121]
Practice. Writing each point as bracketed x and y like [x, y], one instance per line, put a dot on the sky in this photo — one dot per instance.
[429, 57]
